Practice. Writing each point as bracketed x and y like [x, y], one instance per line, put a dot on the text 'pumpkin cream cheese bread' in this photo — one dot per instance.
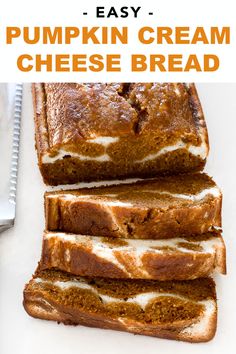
[99, 131]
[171, 259]
[184, 310]
[165, 207]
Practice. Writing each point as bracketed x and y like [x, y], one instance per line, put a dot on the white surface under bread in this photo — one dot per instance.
[20, 250]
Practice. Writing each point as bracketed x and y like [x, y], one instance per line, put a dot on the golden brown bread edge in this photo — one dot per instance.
[72, 170]
[94, 257]
[86, 218]
[38, 305]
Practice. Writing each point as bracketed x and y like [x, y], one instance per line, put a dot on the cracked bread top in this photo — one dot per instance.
[75, 114]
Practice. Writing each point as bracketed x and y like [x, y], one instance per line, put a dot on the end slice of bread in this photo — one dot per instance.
[180, 310]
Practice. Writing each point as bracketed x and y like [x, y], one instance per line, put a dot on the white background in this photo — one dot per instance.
[20, 250]
[166, 13]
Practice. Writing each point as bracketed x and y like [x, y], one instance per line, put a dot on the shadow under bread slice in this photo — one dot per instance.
[181, 310]
[159, 208]
[178, 258]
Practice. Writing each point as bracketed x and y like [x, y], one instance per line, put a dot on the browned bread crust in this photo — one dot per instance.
[166, 207]
[175, 310]
[175, 259]
[88, 132]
